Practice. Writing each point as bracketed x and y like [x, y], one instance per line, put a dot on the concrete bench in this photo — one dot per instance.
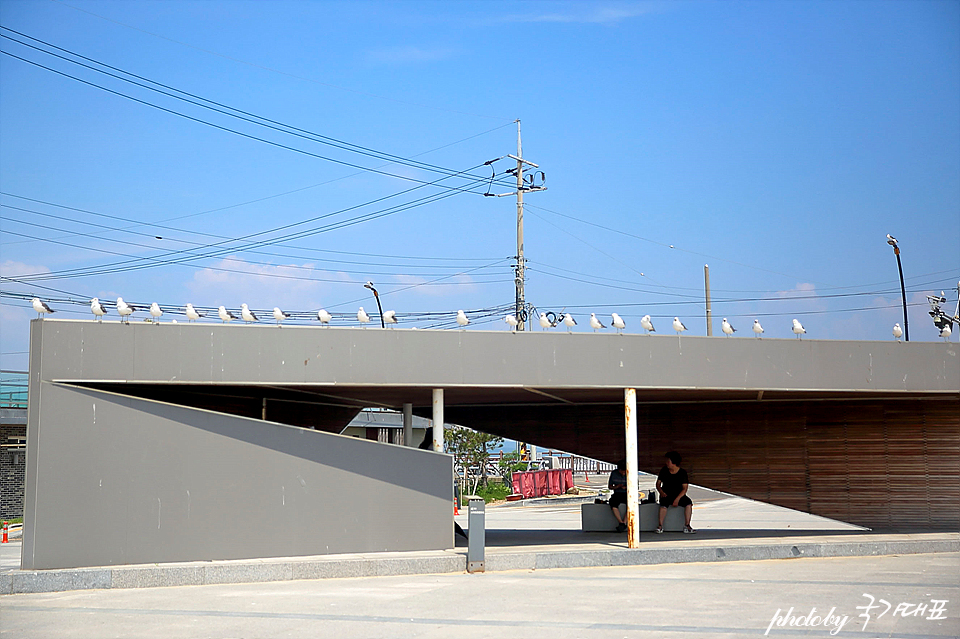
[599, 518]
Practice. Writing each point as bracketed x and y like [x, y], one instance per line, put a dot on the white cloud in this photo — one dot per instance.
[232, 281]
[603, 14]
[408, 55]
[10, 268]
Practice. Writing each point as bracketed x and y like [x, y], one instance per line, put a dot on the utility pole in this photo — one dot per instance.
[521, 265]
[706, 287]
[525, 184]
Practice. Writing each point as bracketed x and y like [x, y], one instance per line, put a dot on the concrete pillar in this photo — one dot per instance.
[633, 487]
[438, 420]
[408, 426]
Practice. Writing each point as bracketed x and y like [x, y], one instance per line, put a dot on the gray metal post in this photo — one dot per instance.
[633, 487]
[408, 425]
[438, 420]
[706, 286]
[477, 537]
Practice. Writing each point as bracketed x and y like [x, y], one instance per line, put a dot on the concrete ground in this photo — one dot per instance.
[737, 599]
[679, 594]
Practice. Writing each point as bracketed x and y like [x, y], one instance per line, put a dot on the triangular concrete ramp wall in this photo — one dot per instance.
[114, 479]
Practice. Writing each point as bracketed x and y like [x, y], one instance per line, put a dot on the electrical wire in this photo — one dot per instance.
[136, 263]
[224, 109]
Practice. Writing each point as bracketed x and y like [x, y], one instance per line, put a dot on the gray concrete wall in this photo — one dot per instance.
[214, 353]
[121, 480]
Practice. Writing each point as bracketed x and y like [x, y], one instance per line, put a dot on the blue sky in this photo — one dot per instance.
[776, 142]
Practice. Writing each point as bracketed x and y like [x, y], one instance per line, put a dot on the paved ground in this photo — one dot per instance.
[738, 599]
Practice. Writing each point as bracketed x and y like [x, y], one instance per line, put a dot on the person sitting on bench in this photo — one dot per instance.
[618, 483]
[672, 484]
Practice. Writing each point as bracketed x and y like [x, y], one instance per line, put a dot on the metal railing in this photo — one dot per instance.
[13, 389]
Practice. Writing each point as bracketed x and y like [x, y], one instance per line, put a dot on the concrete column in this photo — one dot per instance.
[408, 426]
[633, 487]
[438, 420]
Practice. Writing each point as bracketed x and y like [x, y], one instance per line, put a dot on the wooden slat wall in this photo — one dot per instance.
[885, 464]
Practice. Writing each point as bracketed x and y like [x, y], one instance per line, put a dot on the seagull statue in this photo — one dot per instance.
[617, 322]
[798, 329]
[678, 325]
[362, 317]
[757, 329]
[225, 315]
[125, 310]
[462, 319]
[40, 307]
[390, 317]
[647, 324]
[897, 331]
[512, 322]
[945, 332]
[156, 312]
[192, 314]
[247, 315]
[98, 309]
[324, 316]
[568, 321]
[279, 315]
[545, 323]
[727, 328]
[595, 324]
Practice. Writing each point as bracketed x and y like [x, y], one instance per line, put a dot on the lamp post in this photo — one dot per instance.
[377, 297]
[892, 241]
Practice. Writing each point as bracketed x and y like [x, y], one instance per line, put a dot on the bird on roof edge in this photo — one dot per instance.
[798, 329]
[595, 324]
[41, 307]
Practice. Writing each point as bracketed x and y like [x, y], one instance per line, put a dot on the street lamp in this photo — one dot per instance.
[892, 241]
[376, 295]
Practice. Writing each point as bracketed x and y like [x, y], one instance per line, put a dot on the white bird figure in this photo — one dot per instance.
[569, 322]
[362, 317]
[462, 319]
[98, 309]
[727, 327]
[798, 329]
[192, 314]
[595, 324]
[512, 322]
[156, 311]
[757, 328]
[225, 315]
[247, 314]
[324, 316]
[945, 332]
[897, 331]
[279, 315]
[678, 325]
[125, 310]
[617, 322]
[40, 307]
[390, 317]
[647, 324]
[544, 322]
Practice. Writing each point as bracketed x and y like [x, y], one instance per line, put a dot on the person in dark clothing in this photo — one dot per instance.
[618, 484]
[672, 484]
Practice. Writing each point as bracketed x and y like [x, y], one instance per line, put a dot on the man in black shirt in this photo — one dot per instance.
[618, 484]
[672, 484]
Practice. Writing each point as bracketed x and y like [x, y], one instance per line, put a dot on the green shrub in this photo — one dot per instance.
[492, 492]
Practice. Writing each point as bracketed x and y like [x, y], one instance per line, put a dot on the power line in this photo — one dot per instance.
[246, 135]
[135, 264]
[284, 73]
[219, 107]
[282, 255]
